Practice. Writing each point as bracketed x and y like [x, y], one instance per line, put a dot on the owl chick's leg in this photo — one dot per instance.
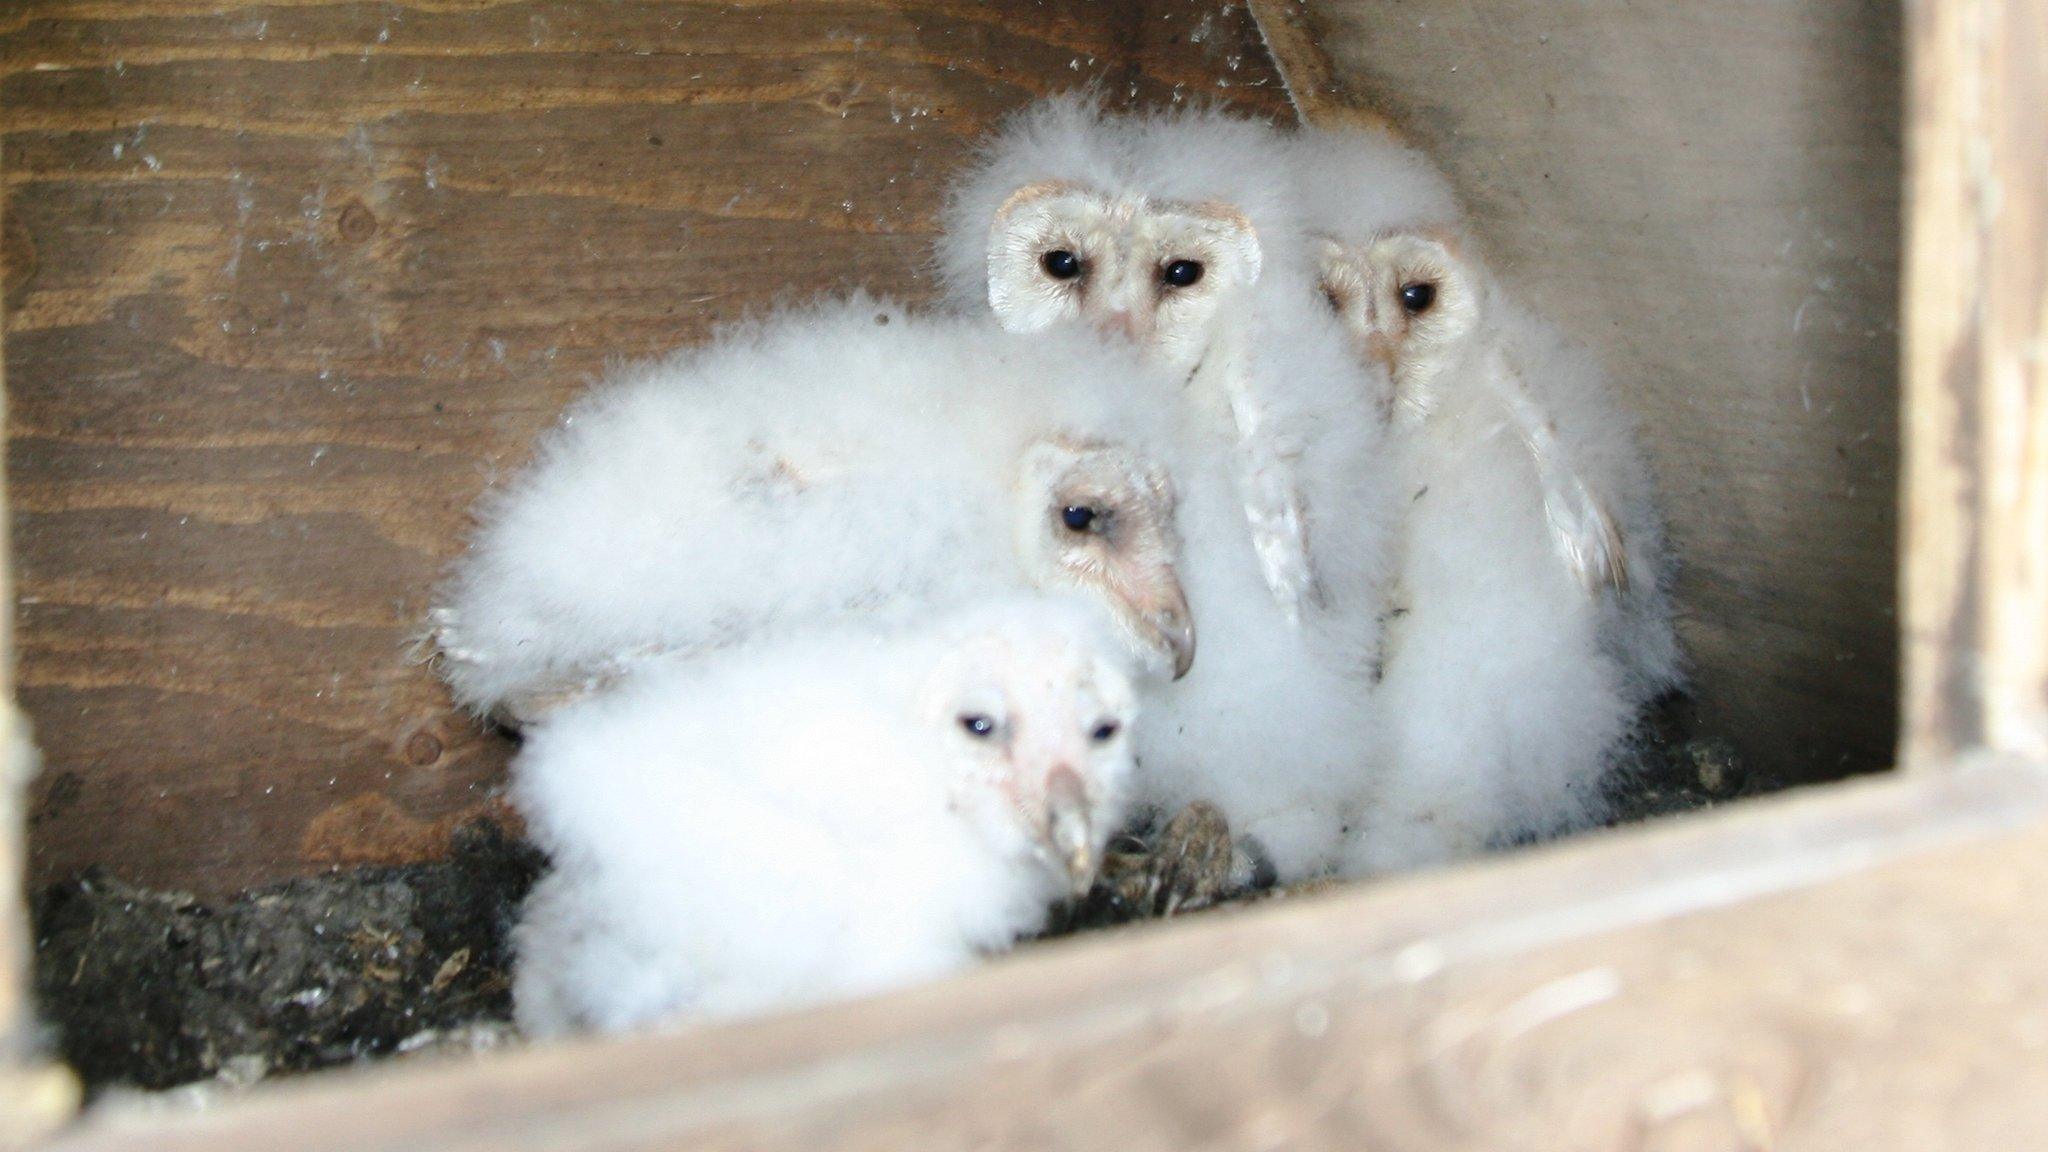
[537, 701]
[1277, 514]
[1586, 533]
[459, 658]
[447, 645]
[1276, 511]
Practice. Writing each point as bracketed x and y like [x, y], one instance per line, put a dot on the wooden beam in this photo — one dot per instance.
[1738, 970]
[1975, 584]
[34, 1096]
[1321, 96]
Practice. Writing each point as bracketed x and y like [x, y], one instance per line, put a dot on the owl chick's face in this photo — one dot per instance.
[1037, 722]
[1158, 272]
[1099, 519]
[1408, 299]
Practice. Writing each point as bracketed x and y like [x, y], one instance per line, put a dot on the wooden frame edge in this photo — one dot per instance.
[1974, 579]
[1080, 1007]
[921, 1063]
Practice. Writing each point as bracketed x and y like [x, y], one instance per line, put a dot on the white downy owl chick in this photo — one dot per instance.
[846, 459]
[1536, 619]
[1395, 262]
[817, 818]
[1178, 231]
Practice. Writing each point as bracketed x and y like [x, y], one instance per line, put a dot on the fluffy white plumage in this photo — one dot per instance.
[846, 459]
[816, 818]
[1073, 217]
[1354, 184]
[1536, 618]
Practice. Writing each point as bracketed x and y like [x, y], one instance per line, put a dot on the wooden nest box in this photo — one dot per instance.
[287, 284]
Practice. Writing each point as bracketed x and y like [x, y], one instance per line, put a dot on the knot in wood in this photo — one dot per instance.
[358, 223]
[422, 748]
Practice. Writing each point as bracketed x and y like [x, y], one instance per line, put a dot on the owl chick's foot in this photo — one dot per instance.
[445, 639]
[1194, 862]
[529, 706]
[1155, 870]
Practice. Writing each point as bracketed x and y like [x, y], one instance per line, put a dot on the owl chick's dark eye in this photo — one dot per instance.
[1080, 517]
[978, 726]
[1418, 296]
[1061, 264]
[1181, 273]
[1104, 732]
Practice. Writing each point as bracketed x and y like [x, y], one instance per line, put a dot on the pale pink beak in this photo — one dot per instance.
[1068, 832]
[1127, 324]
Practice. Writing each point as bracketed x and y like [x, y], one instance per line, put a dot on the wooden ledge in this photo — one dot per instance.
[1320, 1009]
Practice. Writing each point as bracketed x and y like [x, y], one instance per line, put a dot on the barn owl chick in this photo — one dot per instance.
[817, 818]
[1177, 231]
[1392, 259]
[1159, 273]
[840, 460]
[1422, 303]
[1535, 622]
[1415, 304]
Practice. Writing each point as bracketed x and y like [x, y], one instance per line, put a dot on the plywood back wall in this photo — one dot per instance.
[1709, 193]
[287, 283]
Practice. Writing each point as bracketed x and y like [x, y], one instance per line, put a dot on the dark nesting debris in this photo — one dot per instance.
[1683, 777]
[155, 989]
[1671, 770]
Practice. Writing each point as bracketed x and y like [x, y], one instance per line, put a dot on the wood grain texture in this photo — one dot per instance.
[1709, 195]
[1858, 970]
[288, 283]
[14, 932]
[35, 1097]
[1975, 582]
[1319, 94]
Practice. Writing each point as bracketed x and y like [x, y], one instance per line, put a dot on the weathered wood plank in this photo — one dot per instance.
[1976, 295]
[1709, 195]
[34, 1098]
[287, 283]
[1856, 970]
[15, 1008]
[1319, 94]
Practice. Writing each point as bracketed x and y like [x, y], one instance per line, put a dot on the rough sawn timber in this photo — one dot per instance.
[1975, 578]
[35, 1097]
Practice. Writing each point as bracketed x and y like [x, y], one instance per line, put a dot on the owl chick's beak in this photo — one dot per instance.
[1128, 324]
[1069, 834]
[1176, 627]
[1166, 622]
